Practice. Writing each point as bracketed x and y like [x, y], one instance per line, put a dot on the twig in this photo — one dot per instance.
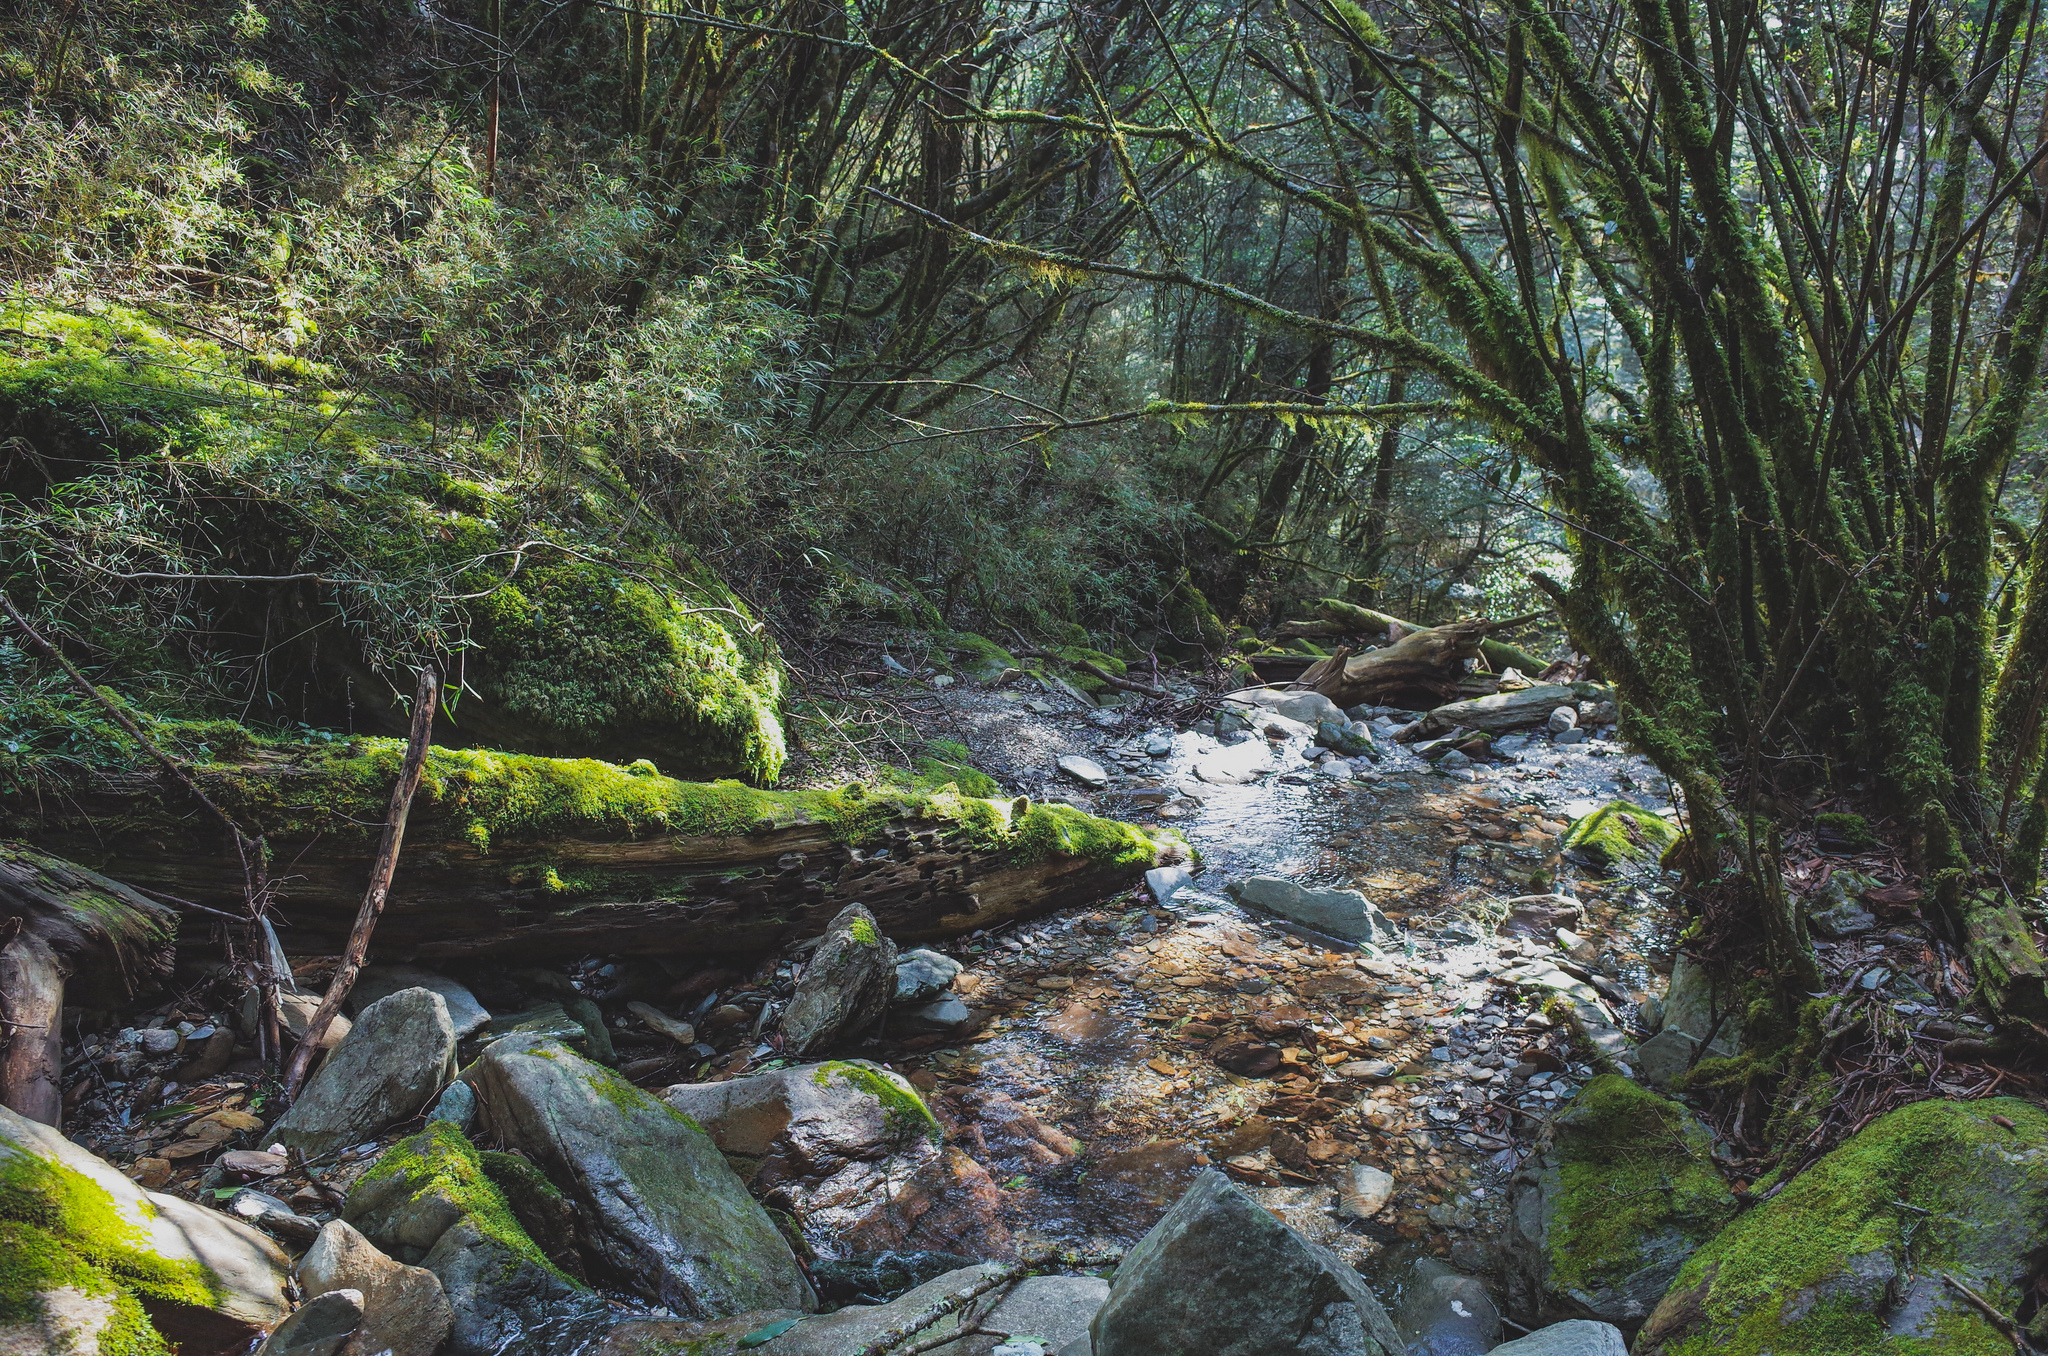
[380, 883]
[2003, 1322]
[896, 1337]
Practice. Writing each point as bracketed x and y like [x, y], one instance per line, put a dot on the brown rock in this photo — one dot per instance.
[248, 1163]
[211, 1059]
[1281, 1021]
[1334, 984]
[150, 1173]
[1245, 1057]
[1291, 1151]
[405, 1311]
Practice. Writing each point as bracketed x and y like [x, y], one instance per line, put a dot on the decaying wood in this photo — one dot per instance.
[1504, 711]
[1432, 660]
[381, 871]
[589, 891]
[1497, 653]
[66, 934]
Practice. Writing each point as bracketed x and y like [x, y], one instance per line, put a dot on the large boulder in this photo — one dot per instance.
[405, 1311]
[663, 1214]
[1053, 1311]
[397, 1058]
[87, 1252]
[1345, 914]
[381, 981]
[1868, 1250]
[1621, 1192]
[785, 1332]
[1701, 1018]
[1219, 1275]
[844, 989]
[1573, 1337]
[428, 1202]
[850, 1150]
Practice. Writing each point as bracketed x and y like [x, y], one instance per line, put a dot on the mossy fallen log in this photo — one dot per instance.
[510, 854]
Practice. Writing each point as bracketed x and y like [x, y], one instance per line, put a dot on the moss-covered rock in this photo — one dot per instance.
[1851, 1258]
[1620, 832]
[583, 623]
[1623, 1191]
[84, 1250]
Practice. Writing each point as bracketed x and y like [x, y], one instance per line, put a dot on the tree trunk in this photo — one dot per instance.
[32, 1006]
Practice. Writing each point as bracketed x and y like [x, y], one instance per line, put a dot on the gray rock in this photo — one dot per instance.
[1561, 719]
[1158, 744]
[1165, 881]
[457, 1103]
[923, 975]
[428, 1201]
[1086, 771]
[938, 1016]
[1305, 708]
[546, 1020]
[1247, 762]
[1340, 736]
[160, 1040]
[662, 1213]
[1232, 721]
[1663, 1058]
[1444, 1313]
[465, 1014]
[1835, 910]
[845, 987]
[1574, 1337]
[274, 1217]
[1699, 1005]
[1050, 1311]
[1340, 913]
[850, 1151]
[1219, 1275]
[840, 1333]
[682, 1033]
[405, 1311]
[1569, 737]
[399, 1055]
[244, 1270]
[1369, 1070]
[319, 1327]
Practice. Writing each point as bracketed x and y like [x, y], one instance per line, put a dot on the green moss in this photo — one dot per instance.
[949, 763]
[1852, 830]
[439, 1161]
[1620, 832]
[33, 1262]
[1633, 1168]
[1061, 829]
[903, 1111]
[862, 930]
[981, 658]
[1933, 1186]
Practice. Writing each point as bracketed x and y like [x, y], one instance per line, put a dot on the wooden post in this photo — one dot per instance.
[380, 883]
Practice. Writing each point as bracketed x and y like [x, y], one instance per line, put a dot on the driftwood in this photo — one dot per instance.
[590, 885]
[1432, 660]
[64, 928]
[1504, 711]
[1498, 654]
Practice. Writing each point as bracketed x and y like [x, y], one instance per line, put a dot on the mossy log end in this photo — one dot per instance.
[516, 855]
[1431, 661]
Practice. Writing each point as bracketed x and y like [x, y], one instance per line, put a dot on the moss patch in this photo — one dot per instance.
[1620, 832]
[1932, 1188]
[1635, 1184]
[439, 1161]
[903, 1111]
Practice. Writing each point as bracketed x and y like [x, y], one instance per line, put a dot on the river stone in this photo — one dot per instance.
[1307, 708]
[923, 975]
[319, 1327]
[465, 1014]
[1246, 762]
[456, 1104]
[1219, 1275]
[843, 1332]
[1086, 771]
[428, 1201]
[1699, 1005]
[1854, 1253]
[845, 987]
[294, 1010]
[1346, 914]
[1573, 1337]
[405, 1311]
[851, 1152]
[1342, 737]
[1166, 881]
[1445, 1313]
[399, 1055]
[1363, 1191]
[1622, 1189]
[939, 1016]
[1051, 1310]
[662, 1213]
[50, 1180]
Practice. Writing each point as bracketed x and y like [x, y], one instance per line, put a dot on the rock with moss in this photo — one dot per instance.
[428, 1202]
[662, 1213]
[851, 1151]
[979, 658]
[1622, 1191]
[85, 1253]
[845, 987]
[591, 626]
[1620, 833]
[398, 1056]
[1863, 1252]
[540, 1208]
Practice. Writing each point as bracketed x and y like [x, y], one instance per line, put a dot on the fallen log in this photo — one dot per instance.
[514, 855]
[1504, 711]
[66, 935]
[1498, 654]
[1432, 660]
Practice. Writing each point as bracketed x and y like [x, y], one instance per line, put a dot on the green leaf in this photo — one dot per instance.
[761, 1337]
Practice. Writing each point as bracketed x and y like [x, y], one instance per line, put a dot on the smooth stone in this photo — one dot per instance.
[1041, 1312]
[1364, 1191]
[1572, 736]
[1086, 771]
[842, 1332]
[396, 1059]
[294, 1010]
[939, 1016]
[319, 1327]
[923, 975]
[1165, 881]
[1235, 766]
[405, 1311]
[274, 1217]
[659, 1022]
[1444, 1313]
[1306, 708]
[1346, 914]
[1574, 1337]
[457, 1103]
[465, 1014]
[1663, 1058]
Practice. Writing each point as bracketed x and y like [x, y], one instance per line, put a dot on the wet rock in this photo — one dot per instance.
[465, 1014]
[1086, 771]
[456, 1104]
[1621, 1192]
[1443, 1313]
[923, 975]
[1244, 1057]
[1129, 1191]
[1219, 1275]
[1307, 708]
[1007, 1135]
[404, 1310]
[1246, 762]
[1046, 1312]
[1619, 832]
[274, 1217]
[852, 1152]
[787, 1333]
[1826, 1263]
[398, 1056]
[1345, 914]
[319, 1327]
[1363, 1191]
[878, 1277]
[662, 1212]
[227, 1281]
[845, 987]
[428, 1201]
[1165, 881]
[1345, 738]
[542, 1210]
[945, 1015]
[1573, 1337]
